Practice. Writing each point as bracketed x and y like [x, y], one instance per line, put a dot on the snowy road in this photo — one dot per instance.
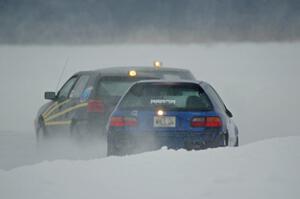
[16, 149]
[265, 169]
[19, 149]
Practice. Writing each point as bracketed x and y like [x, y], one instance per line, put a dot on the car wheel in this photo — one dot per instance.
[110, 151]
[226, 139]
[110, 147]
[41, 136]
[76, 131]
[236, 141]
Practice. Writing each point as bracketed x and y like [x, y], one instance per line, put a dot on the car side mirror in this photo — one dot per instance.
[50, 95]
[229, 113]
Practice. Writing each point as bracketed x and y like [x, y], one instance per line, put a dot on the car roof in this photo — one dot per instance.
[169, 81]
[123, 70]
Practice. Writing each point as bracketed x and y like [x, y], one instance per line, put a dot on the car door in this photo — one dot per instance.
[76, 107]
[54, 118]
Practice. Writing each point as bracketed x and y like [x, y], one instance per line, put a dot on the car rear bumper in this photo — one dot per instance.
[127, 143]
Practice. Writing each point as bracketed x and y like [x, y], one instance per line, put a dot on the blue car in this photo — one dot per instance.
[179, 115]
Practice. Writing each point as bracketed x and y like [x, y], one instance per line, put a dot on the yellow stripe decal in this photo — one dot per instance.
[65, 111]
[68, 122]
[48, 109]
[54, 108]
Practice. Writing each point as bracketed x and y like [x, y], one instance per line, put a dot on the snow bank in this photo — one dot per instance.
[266, 169]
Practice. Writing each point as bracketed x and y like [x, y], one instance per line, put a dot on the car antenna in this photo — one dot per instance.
[62, 72]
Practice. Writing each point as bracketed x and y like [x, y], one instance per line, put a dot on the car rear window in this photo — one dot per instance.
[171, 75]
[115, 86]
[179, 96]
[177, 75]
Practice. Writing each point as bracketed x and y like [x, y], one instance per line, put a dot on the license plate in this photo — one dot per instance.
[164, 121]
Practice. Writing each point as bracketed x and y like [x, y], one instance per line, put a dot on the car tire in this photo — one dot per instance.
[236, 142]
[110, 148]
[76, 132]
[41, 136]
[226, 139]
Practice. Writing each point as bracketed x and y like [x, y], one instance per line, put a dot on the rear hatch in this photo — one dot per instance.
[166, 108]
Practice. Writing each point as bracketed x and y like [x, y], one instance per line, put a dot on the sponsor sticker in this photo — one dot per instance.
[162, 101]
[134, 113]
[86, 94]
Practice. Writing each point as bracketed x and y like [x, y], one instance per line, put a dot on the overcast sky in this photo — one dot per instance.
[144, 21]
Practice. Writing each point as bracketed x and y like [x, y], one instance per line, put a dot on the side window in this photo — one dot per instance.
[79, 86]
[211, 91]
[65, 90]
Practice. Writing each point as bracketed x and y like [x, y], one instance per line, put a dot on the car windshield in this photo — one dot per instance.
[179, 96]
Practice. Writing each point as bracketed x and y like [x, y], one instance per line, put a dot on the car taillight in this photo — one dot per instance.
[123, 121]
[95, 106]
[213, 122]
[206, 122]
[198, 122]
